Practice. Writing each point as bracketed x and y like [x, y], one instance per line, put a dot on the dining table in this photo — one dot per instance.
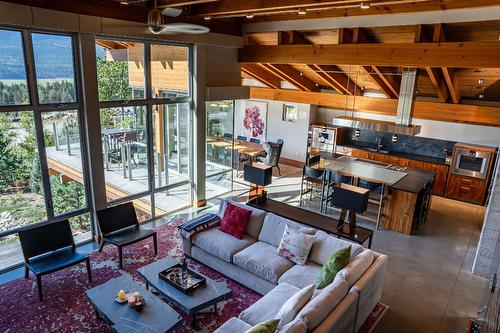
[248, 148]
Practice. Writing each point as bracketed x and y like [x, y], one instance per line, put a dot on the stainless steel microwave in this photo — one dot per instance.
[470, 162]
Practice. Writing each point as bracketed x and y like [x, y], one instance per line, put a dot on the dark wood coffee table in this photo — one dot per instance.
[156, 316]
[192, 303]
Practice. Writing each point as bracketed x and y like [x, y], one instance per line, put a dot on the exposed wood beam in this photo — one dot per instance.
[290, 74]
[388, 85]
[331, 74]
[235, 7]
[287, 72]
[448, 73]
[456, 113]
[436, 76]
[391, 7]
[262, 75]
[461, 55]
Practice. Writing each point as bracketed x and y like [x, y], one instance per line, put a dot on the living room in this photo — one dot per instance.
[231, 166]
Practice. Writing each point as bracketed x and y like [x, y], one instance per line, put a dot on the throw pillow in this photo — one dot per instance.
[337, 261]
[235, 220]
[295, 244]
[294, 304]
[268, 326]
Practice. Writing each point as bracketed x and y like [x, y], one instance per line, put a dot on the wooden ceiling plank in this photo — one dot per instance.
[182, 3]
[328, 79]
[437, 80]
[461, 55]
[290, 74]
[389, 81]
[262, 75]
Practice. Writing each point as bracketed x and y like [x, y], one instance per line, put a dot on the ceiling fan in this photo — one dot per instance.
[156, 26]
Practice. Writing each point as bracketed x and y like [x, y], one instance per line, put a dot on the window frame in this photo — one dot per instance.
[38, 109]
[150, 102]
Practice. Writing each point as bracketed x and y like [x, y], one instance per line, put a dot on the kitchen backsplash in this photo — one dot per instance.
[406, 144]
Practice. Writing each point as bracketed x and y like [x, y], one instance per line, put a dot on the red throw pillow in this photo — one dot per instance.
[235, 220]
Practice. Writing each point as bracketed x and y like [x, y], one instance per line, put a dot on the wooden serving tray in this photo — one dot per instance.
[192, 281]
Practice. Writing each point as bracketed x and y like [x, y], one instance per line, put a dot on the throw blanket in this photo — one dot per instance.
[197, 224]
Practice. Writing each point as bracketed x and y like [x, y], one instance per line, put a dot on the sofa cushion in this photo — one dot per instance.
[268, 326]
[314, 312]
[262, 260]
[329, 271]
[294, 304]
[274, 227]
[235, 220]
[295, 244]
[256, 218]
[220, 244]
[301, 275]
[234, 325]
[296, 326]
[268, 306]
[356, 268]
[325, 246]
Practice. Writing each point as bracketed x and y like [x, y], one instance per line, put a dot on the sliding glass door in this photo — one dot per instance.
[145, 99]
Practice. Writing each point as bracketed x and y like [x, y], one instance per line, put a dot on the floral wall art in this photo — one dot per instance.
[250, 120]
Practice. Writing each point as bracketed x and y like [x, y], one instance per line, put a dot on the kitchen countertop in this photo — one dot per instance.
[414, 181]
[408, 180]
[423, 158]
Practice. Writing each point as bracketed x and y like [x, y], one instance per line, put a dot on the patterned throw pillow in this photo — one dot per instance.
[268, 326]
[295, 244]
[337, 261]
[235, 220]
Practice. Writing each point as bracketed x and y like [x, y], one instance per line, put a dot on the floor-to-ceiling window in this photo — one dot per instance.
[145, 110]
[40, 125]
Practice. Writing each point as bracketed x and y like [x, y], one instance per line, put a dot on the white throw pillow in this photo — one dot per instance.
[294, 304]
[295, 244]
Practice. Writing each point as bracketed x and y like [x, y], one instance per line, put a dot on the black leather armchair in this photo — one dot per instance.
[49, 248]
[119, 226]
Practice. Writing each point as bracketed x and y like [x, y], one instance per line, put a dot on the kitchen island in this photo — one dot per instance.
[406, 189]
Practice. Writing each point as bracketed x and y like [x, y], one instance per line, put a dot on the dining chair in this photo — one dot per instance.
[242, 138]
[253, 140]
[314, 180]
[228, 136]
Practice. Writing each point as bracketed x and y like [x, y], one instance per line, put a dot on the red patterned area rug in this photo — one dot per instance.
[66, 308]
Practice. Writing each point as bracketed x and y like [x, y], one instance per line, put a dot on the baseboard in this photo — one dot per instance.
[290, 162]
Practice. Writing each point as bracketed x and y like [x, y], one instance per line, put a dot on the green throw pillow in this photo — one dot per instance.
[268, 326]
[337, 261]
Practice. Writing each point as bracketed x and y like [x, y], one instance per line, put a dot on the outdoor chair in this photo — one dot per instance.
[49, 248]
[119, 226]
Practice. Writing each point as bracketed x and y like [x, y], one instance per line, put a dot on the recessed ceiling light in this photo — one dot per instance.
[302, 11]
[249, 15]
[207, 18]
[301, 74]
[364, 5]
[124, 2]
[480, 81]
[481, 96]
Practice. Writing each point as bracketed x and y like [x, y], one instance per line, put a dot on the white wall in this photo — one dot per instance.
[485, 135]
[294, 134]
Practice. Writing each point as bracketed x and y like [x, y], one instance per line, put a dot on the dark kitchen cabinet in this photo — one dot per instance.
[467, 189]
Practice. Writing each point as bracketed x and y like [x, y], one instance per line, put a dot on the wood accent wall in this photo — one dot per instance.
[457, 113]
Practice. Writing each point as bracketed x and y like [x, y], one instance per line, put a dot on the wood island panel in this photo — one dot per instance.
[398, 211]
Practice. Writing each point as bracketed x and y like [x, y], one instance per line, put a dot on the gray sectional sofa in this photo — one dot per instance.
[253, 261]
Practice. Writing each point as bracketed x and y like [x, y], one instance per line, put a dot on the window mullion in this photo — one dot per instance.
[149, 124]
[42, 157]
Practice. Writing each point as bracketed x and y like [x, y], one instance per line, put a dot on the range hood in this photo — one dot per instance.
[376, 125]
[403, 124]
